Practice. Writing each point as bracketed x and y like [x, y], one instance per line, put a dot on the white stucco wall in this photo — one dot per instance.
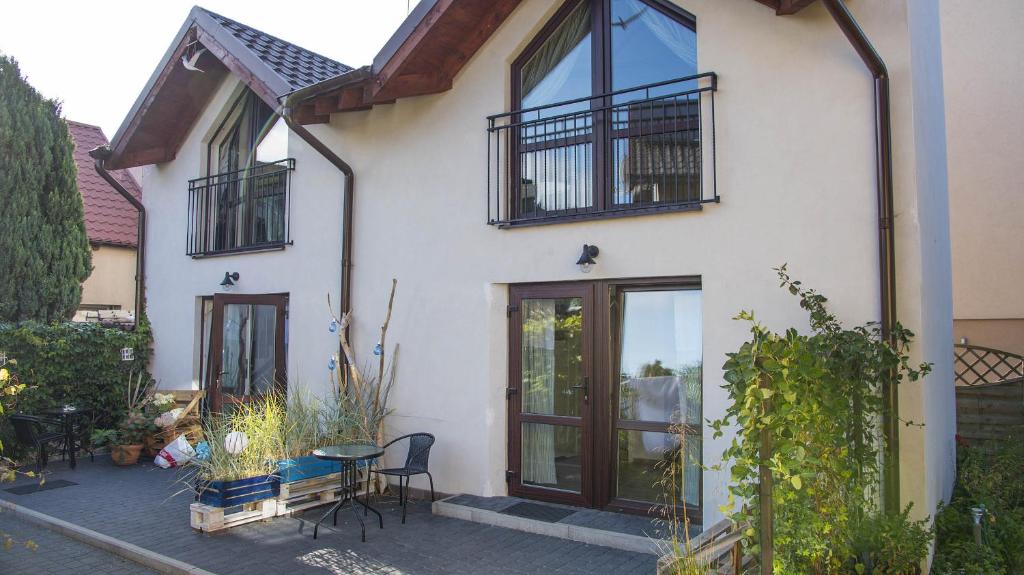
[927, 454]
[984, 77]
[795, 156]
[795, 171]
[112, 281]
[307, 270]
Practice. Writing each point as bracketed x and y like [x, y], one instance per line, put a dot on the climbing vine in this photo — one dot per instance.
[808, 407]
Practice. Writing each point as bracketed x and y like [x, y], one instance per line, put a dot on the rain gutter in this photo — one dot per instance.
[886, 235]
[100, 155]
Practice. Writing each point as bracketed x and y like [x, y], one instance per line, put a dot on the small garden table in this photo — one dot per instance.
[349, 456]
[70, 418]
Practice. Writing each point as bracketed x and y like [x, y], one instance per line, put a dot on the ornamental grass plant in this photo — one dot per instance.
[275, 428]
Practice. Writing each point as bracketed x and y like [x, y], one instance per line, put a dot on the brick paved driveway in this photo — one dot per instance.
[144, 505]
[56, 553]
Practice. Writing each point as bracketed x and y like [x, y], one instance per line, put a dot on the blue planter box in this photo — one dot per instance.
[308, 466]
[305, 467]
[239, 491]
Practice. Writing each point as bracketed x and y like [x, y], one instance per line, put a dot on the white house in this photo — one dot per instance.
[696, 143]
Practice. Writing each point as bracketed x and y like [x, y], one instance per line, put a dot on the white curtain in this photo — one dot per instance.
[264, 349]
[538, 367]
[676, 37]
[549, 69]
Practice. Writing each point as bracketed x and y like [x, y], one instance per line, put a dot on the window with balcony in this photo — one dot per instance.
[242, 203]
[607, 117]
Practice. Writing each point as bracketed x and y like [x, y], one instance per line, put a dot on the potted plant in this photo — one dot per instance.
[243, 449]
[159, 405]
[126, 441]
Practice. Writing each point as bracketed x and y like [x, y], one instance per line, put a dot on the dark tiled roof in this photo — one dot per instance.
[109, 218]
[296, 66]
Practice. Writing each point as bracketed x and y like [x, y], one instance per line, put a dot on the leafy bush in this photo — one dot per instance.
[813, 401]
[74, 363]
[988, 479]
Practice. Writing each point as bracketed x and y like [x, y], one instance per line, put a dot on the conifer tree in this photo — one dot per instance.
[44, 251]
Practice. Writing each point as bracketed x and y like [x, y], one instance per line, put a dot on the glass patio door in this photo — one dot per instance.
[605, 387]
[657, 359]
[550, 393]
[247, 352]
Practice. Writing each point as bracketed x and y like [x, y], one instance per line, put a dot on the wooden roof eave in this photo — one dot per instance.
[426, 53]
[145, 137]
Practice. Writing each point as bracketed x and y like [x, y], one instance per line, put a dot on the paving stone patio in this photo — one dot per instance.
[147, 506]
[56, 553]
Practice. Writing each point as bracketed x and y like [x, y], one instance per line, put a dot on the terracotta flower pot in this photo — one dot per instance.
[125, 454]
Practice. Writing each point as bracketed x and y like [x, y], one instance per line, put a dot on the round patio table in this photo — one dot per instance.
[349, 456]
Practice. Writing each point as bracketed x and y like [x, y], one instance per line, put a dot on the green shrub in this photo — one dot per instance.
[988, 477]
[807, 407]
[74, 363]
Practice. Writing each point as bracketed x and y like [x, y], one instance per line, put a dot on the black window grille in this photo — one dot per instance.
[644, 149]
[246, 209]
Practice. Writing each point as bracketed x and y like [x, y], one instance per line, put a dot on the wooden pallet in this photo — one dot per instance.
[209, 519]
[293, 497]
[307, 493]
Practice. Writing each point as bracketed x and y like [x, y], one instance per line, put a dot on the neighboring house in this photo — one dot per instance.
[697, 143]
[111, 223]
[984, 77]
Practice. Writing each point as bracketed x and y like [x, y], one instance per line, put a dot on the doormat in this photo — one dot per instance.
[539, 512]
[27, 489]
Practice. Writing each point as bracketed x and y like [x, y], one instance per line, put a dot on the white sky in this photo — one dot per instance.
[96, 56]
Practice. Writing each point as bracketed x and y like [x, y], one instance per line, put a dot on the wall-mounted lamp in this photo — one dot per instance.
[586, 260]
[229, 280]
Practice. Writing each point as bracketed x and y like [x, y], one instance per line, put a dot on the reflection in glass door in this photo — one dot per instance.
[658, 359]
[247, 354]
[604, 389]
[550, 394]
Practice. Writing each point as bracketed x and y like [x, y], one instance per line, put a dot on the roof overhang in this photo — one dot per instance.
[174, 97]
[424, 55]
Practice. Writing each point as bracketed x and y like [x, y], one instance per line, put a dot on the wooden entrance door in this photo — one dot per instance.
[247, 351]
[550, 390]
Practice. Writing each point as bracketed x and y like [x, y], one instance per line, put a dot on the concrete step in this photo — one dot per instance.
[603, 528]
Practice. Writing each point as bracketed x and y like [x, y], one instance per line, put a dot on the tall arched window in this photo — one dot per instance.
[600, 123]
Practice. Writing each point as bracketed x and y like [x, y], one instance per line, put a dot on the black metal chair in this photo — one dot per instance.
[32, 432]
[416, 461]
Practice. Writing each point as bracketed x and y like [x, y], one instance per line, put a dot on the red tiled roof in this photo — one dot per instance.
[109, 218]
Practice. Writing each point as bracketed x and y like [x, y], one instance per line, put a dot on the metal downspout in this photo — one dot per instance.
[347, 197]
[886, 235]
[100, 155]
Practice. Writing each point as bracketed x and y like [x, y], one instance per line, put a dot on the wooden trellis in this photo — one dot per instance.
[989, 393]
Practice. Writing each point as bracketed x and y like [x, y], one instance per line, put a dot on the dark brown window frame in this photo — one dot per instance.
[280, 301]
[599, 433]
[601, 133]
[202, 217]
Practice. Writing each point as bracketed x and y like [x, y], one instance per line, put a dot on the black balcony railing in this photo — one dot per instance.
[644, 149]
[243, 210]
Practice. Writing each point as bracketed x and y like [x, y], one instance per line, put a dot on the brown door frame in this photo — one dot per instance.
[601, 326]
[515, 396]
[214, 371]
[611, 298]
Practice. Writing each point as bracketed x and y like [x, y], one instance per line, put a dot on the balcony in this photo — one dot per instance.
[641, 150]
[244, 210]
